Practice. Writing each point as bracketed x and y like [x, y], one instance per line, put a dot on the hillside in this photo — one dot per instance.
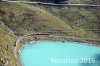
[86, 18]
[18, 19]
[85, 1]
[7, 41]
[82, 17]
[24, 19]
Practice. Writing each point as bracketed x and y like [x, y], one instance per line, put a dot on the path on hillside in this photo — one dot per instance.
[20, 40]
[53, 4]
[16, 45]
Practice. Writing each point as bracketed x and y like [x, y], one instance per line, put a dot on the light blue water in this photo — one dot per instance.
[60, 54]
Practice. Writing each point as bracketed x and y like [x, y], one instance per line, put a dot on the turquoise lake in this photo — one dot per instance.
[60, 54]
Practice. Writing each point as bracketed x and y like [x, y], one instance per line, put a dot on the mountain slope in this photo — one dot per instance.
[7, 41]
[86, 18]
[25, 19]
[22, 18]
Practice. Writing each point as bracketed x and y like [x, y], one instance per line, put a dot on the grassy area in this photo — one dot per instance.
[24, 19]
[84, 1]
[7, 41]
[79, 18]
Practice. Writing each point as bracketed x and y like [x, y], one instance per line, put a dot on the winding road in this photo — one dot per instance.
[53, 4]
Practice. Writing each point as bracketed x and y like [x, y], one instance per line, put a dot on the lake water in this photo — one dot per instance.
[60, 54]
